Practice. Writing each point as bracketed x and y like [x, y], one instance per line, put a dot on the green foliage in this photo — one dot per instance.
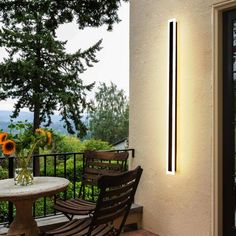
[93, 145]
[60, 167]
[66, 143]
[3, 211]
[109, 120]
[3, 173]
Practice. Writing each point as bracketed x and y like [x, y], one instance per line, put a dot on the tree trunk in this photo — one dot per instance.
[36, 85]
[36, 126]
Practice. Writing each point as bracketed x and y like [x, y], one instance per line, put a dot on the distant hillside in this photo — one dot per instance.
[57, 124]
[5, 116]
[5, 119]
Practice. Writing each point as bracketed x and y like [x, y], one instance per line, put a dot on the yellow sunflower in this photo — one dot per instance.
[40, 132]
[8, 147]
[3, 137]
[49, 138]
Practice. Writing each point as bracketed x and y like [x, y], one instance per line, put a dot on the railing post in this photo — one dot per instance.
[74, 181]
[65, 159]
[10, 175]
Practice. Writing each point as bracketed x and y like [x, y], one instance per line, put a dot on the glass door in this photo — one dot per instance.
[229, 122]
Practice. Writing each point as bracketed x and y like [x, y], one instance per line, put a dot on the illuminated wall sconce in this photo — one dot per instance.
[172, 95]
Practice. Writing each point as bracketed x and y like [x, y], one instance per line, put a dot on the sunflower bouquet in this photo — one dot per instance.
[21, 141]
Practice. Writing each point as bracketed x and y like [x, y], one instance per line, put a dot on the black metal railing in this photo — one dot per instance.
[67, 165]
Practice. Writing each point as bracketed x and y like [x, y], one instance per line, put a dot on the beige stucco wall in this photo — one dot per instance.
[180, 205]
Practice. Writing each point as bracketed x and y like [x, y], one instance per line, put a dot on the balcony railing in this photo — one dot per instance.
[67, 165]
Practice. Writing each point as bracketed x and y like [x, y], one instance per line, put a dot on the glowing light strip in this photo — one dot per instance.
[172, 103]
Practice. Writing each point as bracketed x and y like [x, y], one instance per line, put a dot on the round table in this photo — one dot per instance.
[23, 198]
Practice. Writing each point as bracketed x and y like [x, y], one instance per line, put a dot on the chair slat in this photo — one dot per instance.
[105, 165]
[117, 181]
[113, 208]
[102, 230]
[99, 172]
[91, 177]
[84, 208]
[121, 156]
[111, 217]
[115, 199]
[123, 188]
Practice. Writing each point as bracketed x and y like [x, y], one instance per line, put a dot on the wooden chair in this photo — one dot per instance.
[95, 164]
[114, 201]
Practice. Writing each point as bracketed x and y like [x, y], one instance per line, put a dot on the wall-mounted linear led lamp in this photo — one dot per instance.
[172, 95]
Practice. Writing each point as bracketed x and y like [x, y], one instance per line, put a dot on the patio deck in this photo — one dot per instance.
[138, 233]
[48, 223]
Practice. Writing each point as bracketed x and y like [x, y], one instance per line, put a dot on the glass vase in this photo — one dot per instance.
[23, 171]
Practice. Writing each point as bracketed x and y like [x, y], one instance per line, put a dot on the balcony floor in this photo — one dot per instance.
[138, 233]
[51, 222]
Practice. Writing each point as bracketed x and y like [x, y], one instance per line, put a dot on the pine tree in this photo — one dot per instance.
[38, 71]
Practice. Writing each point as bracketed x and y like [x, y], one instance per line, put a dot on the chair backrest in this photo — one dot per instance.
[96, 164]
[115, 198]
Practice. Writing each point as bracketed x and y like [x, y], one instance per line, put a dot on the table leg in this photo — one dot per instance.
[24, 221]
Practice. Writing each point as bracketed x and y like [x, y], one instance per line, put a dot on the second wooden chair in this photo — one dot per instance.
[95, 164]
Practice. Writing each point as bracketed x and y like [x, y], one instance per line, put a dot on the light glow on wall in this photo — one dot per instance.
[172, 95]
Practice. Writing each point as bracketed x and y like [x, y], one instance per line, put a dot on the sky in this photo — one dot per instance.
[113, 59]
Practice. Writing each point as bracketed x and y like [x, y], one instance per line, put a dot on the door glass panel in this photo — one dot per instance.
[234, 94]
[229, 123]
[234, 79]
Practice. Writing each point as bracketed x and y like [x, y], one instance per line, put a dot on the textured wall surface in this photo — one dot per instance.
[179, 205]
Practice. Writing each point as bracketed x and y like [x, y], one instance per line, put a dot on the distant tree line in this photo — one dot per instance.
[109, 120]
